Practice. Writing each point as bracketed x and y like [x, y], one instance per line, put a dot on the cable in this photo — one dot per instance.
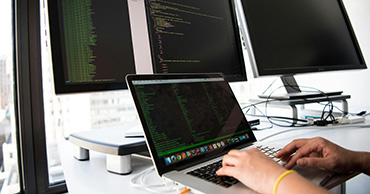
[324, 117]
[327, 115]
[257, 103]
[323, 121]
[270, 118]
[168, 186]
[293, 129]
[362, 113]
[254, 105]
[278, 117]
[270, 86]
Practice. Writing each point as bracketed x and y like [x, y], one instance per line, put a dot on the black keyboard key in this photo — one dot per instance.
[208, 173]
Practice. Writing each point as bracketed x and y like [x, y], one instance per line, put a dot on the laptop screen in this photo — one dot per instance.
[187, 118]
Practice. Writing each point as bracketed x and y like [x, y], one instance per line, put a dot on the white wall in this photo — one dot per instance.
[353, 82]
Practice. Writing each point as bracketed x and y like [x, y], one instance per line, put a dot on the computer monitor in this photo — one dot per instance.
[95, 44]
[291, 37]
[188, 37]
[91, 45]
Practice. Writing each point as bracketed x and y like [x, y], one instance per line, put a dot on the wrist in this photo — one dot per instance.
[280, 178]
[362, 162]
[271, 176]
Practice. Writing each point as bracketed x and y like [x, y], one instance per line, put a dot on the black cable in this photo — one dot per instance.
[362, 113]
[262, 114]
[324, 121]
[257, 103]
[278, 117]
[271, 118]
[330, 103]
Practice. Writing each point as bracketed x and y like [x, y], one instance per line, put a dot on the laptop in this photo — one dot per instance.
[190, 121]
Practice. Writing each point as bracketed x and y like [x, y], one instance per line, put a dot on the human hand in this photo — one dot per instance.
[252, 168]
[317, 152]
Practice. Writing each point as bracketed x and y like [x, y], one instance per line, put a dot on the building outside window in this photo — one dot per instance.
[66, 114]
[9, 176]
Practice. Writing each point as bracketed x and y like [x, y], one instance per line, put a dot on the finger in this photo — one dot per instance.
[304, 151]
[227, 171]
[291, 147]
[315, 154]
[230, 160]
[313, 162]
[235, 152]
[285, 158]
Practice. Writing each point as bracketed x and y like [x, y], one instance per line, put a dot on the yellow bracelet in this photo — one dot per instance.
[281, 177]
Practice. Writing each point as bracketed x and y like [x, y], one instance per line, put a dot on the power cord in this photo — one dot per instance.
[327, 117]
[166, 186]
[273, 118]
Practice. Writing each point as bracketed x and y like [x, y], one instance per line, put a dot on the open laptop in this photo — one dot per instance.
[190, 121]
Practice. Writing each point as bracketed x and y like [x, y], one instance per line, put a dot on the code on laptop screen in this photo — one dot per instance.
[191, 117]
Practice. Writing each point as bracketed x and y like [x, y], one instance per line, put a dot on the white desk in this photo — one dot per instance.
[92, 177]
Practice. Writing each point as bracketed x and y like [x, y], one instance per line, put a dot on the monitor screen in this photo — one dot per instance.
[95, 44]
[91, 45]
[289, 37]
[195, 37]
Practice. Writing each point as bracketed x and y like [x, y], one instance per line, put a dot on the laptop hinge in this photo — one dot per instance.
[182, 167]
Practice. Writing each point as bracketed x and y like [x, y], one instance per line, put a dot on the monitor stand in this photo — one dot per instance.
[294, 92]
[118, 143]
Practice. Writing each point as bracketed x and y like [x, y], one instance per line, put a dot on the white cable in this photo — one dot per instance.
[156, 188]
[133, 180]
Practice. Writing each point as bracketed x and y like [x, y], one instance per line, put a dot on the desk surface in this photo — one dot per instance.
[91, 176]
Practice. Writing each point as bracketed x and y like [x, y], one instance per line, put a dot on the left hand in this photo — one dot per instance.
[252, 168]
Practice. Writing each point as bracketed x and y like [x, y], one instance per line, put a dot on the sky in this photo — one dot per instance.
[5, 28]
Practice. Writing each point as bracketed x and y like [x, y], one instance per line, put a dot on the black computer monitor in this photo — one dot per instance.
[192, 37]
[94, 43]
[292, 37]
[91, 45]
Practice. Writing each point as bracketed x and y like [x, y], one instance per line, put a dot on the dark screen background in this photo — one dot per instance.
[300, 36]
[181, 115]
[91, 45]
[195, 37]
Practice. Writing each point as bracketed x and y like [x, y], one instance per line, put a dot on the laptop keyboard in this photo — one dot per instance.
[208, 172]
[270, 152]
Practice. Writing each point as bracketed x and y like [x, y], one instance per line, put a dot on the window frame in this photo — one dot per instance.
[29, 105]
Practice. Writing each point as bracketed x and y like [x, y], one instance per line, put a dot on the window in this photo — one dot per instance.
[66, 114]
[9, 176]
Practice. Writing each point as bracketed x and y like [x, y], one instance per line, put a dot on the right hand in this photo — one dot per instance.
[318, 152]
